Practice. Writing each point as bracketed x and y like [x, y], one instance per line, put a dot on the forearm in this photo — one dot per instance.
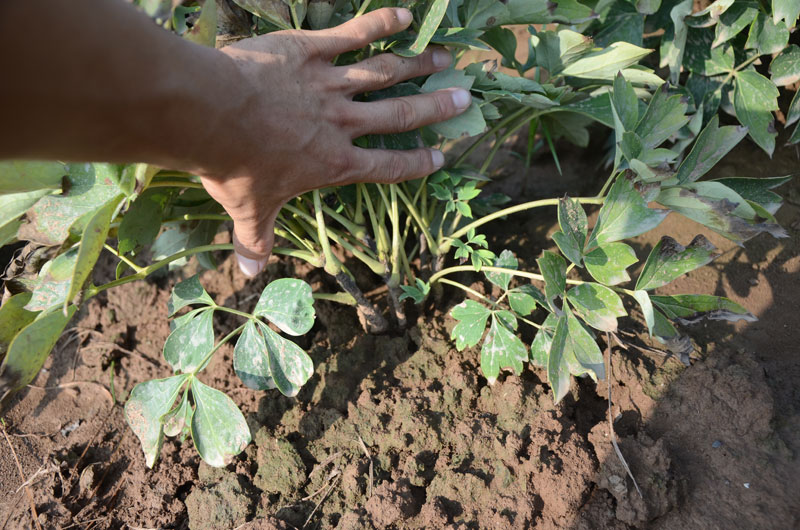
[96, 80]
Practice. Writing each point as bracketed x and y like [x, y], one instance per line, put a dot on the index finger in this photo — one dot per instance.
[360, 31]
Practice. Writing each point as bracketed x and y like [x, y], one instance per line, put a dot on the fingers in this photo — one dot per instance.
[358, 32]
[252, 244]
[388, 69]
[389, 166]
[407, 113]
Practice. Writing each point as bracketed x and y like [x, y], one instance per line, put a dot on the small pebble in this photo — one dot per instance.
[747, 485]
[717, 444]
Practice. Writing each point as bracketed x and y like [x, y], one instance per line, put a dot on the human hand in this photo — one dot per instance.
[292, 122]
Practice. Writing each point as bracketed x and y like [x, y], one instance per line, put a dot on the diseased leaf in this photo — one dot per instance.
[288, 304]
[289, 365]
[189, 291]
[273, 11]
[665, 116]
[624, 214]
[757, 190]
[598, 108]
[417, 293]
[219, 430]
[621, 23]
[673, 43]
[456, 37]
[702, 58]
[557, 370]
[572, 221]
[53, 282]
[581, 352]
[690, 308]
[12, 206]
[523, 299]
[605, 64]
[250, 359]
[787, 10]
[754, 99]
[597, 305]
[148, 403]
[179, 419]
[607, 263]
[472, 318]
[29, 349]
[188, 345]
[204, 31]
[501, 349]
[14, 317]
[767, 36]
[712, 144]
[785, 68]
[142, 221]
[734, 20]
[430, 23]
[647, 309]
[20, 176]
[540, 348]
[554, 269]
[669, 260]
[506, 260]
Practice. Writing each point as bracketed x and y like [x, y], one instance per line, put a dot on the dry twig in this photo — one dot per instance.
[34, 515]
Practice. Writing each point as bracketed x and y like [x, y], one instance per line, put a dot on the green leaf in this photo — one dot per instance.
[250, 359]
[430, 23]
[523, 299]
[29, 349]
[540, 347]
[787, 10]
[148, 402]
[485, 13]
[596, 304]
[757, 190]
[755, 98]
[581, 351]
[598, 108]
[219, 430]
[622, 23]
[87, 188]
[709, 16]
[456, 37]
[91, 245]
[712, 144]
[689, 308]
[14, 317]
[505, 260]
[662, 327]
[669, 260]
[189, 344]
[607, 263]
[648, 7]
[142, 221]
[625, 103]
[417, 293]
[204, 31]
[605, 64]
[785, 68]
[505, 42]
[178, 420]
[189, 291]
[557, 369]
[624, 214]
[501, 349]
[472, 318]
[734, 20]
[554, 270]
[647, 309]
[673, 43]
[273, 11]
[554, 50]
[53, 282]
[19, 176]
[767, 36]
[289, 365]
[543, 12]
[574, 227]
[702, 58]
[665, 116]
[288, 304]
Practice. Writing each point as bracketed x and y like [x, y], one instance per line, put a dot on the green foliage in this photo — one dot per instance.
[581, 74]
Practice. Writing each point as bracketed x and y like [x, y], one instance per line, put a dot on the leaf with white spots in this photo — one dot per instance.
[472, 318]
[250, 359]
[690, 308]
[179, 420]
[540, 347]
[597, 305]
[289, 365]
[608, 263]
[669, 260]
[219, 430]
[523, 299]
[148, 402]
[188, 292]
[288, 304]
[572, 237]
[557, 369]
[554, 270]
[505, 260]
[190, 343]
[785, 68]
[501, 349]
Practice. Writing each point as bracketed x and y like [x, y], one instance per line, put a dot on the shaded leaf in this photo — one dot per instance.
[712, 144]
[142, 221]
[598, 108]
[605, 64]
[250, 359]
[219, 430]
[523, 299]
[734, 20]
[53, 282]
[581, 352]
[289, 365]
[148, 402]
[178, 420]
[702, 58]
[597, 305]
[189, 291]
[433, 17]
[189, 344]
[273, 11]
[647, 308]
[785, 68]
[669, 260]
[608, 263]
[472, 318]
[673, 43]
[501, 349]
[625, 103]
[288, 304]
[20, 176]
[14, 317]
[758, 190]
[690, 308]
[665, 116]
[767, 36]
[540, 347]
[554, 270]
[574, 227]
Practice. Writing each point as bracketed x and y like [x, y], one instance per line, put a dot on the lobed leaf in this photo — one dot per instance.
[506, 260]
[608, 263]
[289, 366]
[786, 10]
[219, 430]
[737, 17]
[597, 305]
[523, 299]
[501, 349]
[767, 36]
[250, 359]
[669, 260]
[785, 68]
[472, 318]
[712, 144]
[189, 344]
[665, 116]
[289, 304]
[189, 291]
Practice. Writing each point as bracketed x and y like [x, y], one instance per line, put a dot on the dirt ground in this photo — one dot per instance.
[401, 430]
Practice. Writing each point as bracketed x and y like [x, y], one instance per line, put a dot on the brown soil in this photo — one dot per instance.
[401, 431]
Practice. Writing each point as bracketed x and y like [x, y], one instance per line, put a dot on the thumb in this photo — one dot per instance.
[252, 243]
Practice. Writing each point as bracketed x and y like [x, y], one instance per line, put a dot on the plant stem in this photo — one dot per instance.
[461, 268]
[122, 258]
[513, 209]
[434, 248]
[363, 8]
[469, 290]
[501, 140]
[332, 265]
[607, 184]
[199, 217]
[339, 298]
[224, 340]
[175, 184]
[499, 125]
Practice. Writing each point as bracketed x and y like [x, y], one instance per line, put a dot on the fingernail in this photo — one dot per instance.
[441, 58]
[437, 157]
[461, 98]
[250, 267]
[403, 16]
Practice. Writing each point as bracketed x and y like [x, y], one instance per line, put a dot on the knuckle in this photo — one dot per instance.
[399, 167]
[384, 70]
[404, 114]
[442, 106]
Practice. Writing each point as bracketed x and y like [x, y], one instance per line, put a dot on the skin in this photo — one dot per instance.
[261, 121]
